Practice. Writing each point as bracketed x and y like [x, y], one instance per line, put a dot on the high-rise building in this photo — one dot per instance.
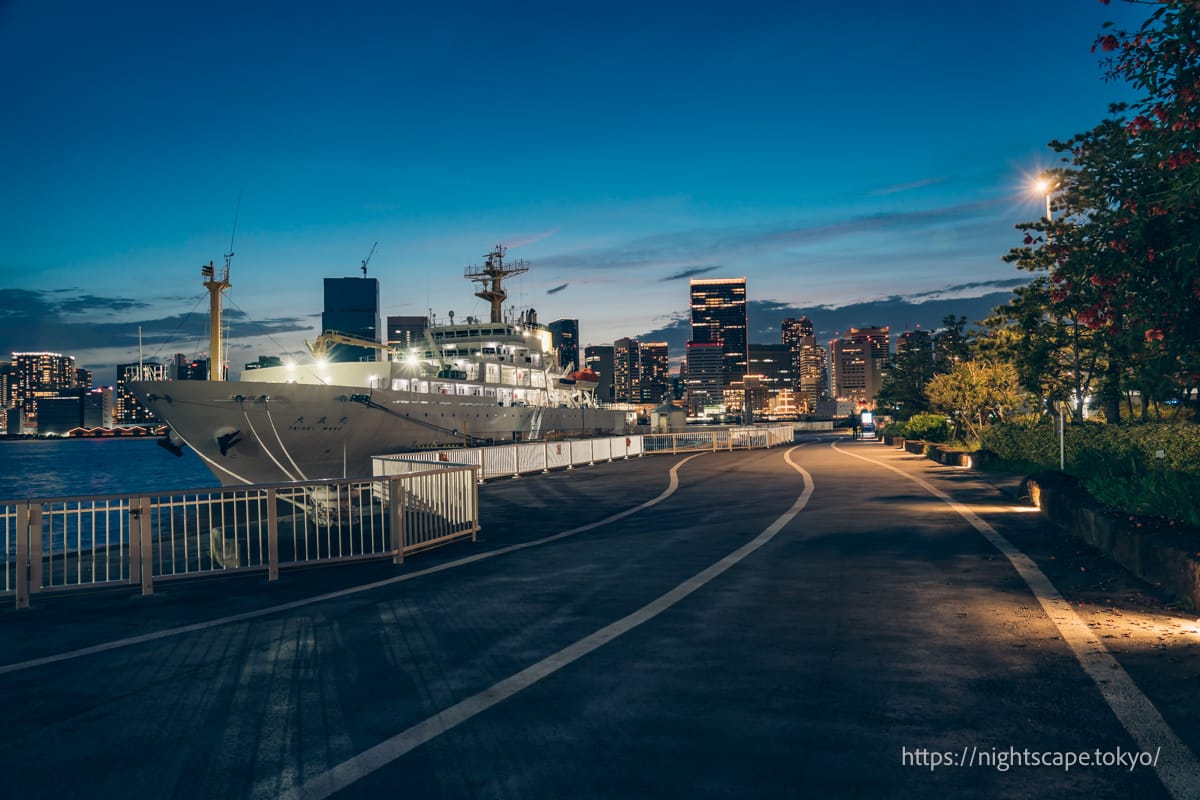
[599, 359]
[404, 332]
[189, 369]
[856, 363]
[564, 336]
[814, 367]
[793, 333]
[127, 410]
[719, 315]
[56, 416]
[40, 375]
[627, 370]
[8, 384]
[655, 375]
[83, 379]
[352, 307]
[705, 370]
[772, 363]
[97, 408]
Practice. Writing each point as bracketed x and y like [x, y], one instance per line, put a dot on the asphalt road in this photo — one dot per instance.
[836, 619]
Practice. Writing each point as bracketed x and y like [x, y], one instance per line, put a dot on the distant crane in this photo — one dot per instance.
[368, 259]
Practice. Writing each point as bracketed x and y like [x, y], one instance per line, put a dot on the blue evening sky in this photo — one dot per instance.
[832, 153]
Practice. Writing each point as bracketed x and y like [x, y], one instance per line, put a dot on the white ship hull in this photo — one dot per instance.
[469, 384]
[259, 432]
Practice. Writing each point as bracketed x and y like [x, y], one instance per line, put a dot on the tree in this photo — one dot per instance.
[1119, 301]
[951, 344]
[903, 391]
[976, 393]
[1162, 219]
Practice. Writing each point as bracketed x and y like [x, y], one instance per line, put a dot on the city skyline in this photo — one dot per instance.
[833, 160]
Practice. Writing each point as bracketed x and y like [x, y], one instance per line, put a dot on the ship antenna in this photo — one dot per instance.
[215, 285]
[490, 277]
[236, 212]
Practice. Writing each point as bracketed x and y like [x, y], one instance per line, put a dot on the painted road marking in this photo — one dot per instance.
[1177, 769]
[389, 750]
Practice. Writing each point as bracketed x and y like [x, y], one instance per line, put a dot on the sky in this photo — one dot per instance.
[835, 154]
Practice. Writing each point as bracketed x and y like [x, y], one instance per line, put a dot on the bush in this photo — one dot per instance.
[927, 428]
[1142, 468]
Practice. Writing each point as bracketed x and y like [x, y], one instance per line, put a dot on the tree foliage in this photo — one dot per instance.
[1116, 305]
[976, 393]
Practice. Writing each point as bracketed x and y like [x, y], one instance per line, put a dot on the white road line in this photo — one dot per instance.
[389, 750]
[1178, 769]
[672, 486]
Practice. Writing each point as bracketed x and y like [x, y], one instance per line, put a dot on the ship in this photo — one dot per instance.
[483, 382]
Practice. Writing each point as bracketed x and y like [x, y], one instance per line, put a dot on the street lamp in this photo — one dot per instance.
[1043, 186]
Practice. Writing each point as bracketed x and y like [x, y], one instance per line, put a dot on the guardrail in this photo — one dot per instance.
[510, 461]
[66, 543]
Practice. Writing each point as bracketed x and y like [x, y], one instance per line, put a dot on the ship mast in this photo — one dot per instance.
[489, 278]
[215, 285]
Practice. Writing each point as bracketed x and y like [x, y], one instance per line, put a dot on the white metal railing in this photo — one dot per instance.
[509, 461]
[77, 542]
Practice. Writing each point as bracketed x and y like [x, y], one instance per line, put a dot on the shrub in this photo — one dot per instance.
[928, 428]
[1144, 468]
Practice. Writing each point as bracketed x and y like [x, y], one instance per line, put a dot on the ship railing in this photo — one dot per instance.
[66, 543]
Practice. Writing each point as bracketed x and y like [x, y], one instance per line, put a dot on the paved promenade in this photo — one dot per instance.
[814, 621]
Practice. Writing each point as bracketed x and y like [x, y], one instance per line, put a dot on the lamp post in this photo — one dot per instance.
[1044, 186]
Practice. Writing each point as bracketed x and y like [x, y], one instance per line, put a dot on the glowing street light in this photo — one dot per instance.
[1044, 186]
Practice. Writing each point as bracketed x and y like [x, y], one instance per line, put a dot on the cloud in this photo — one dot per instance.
[899, 313]
[93, 327]
[966, 289]
[905, 187]
[738, 243]
[688, 273]
[558, 288]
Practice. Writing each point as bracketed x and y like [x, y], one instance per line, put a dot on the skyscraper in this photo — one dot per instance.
[40, 375]
[719, 315]
[627, 370]
[406, 331]
[705, 368]
[599, 359]
[127, 410]
[856, 363]
[794, 333]
[352, 307]
[655, 375]
[564, 335]
[772, 365]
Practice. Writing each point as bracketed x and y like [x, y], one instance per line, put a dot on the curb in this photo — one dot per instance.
[1167, 558]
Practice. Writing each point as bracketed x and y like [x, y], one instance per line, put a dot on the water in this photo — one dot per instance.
[71, 467]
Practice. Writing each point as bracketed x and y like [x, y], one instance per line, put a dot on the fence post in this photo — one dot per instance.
[474, 507]
[22, 556]
[146, 535]
[35, 548]
[272, 537]
[396, 519]
[135, 544]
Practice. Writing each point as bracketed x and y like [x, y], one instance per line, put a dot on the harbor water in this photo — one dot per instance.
[73, 467]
